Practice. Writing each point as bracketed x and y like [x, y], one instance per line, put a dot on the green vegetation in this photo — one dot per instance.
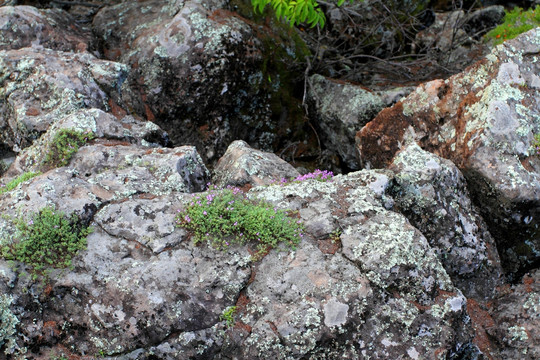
[15, 182]
[48, 239]
[228, 315]
[226, 217]
[536, 144]
[64, 145]
[295, 11]
[515, 22]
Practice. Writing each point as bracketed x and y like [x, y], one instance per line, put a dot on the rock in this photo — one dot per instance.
[196, 71]
[127, 170]
[100, 124]
[514, 319]
[344, 296]
[60, 83]
[110, 302]
[241, 165]
[142, 288]
[432, 193]
[484, 120]
[26, 26]
[339, 110]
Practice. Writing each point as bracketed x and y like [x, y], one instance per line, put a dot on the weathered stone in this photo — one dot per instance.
[112, 300]
[142, 288]
[196, 72]
[484, 120]
[97, 122]
[340, 110]
[432, 193]
[128, 170]
[241, 165]
[26, 26]
[514, 320]
[40, 86]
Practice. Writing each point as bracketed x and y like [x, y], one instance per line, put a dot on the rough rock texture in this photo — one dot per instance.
[141, 281]
[101, 124]
[195, 71]
[340, 110]
[432, 193]
[25, 26]
[515, 319]
[241, 165]
[484, 120]
[39, 86]
[393, 264]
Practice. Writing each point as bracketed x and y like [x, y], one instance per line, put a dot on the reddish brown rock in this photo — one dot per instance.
[484, 120]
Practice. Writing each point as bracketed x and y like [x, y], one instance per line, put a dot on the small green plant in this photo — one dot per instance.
[335, 236]
[295, 11]
[536, 144]
[15, 182]
[228, 216]
[228, 315]
[65, 143]
[48, 239]
[515, 22]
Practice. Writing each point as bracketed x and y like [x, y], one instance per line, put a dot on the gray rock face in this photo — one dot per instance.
[484, 120]
[142, 288]
[432, 193]
[26, 26]
[341, 110]
[39, 86]
[197, 73]
[515, 321]
[241, 165]
[102, 125]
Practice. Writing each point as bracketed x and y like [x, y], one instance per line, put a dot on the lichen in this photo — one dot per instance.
[8, 326]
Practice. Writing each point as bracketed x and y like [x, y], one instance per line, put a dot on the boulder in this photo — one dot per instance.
[241, 165]
[40, 86]
[99, 124]
[339, 110]
[26, 26]
[196, 71]
[432, 193]
[362, 275]
[484, 120]
[514, 319]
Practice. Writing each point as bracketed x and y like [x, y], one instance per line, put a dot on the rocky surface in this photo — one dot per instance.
[196, 70]
[484, 120]
[409, 258]
[26, 26]
[242, 165]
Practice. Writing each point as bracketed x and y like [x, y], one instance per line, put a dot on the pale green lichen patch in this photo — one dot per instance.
[388, 250]
[8, 326]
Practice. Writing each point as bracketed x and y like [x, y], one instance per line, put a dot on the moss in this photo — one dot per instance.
[15, 182]
[64, 145]
[515, 22]
[47, 239]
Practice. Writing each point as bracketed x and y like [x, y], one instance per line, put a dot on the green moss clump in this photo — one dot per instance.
[515, 22]
[228, 315]
[48, 239]
[226, 217]
[64, 145]
[15, 182]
